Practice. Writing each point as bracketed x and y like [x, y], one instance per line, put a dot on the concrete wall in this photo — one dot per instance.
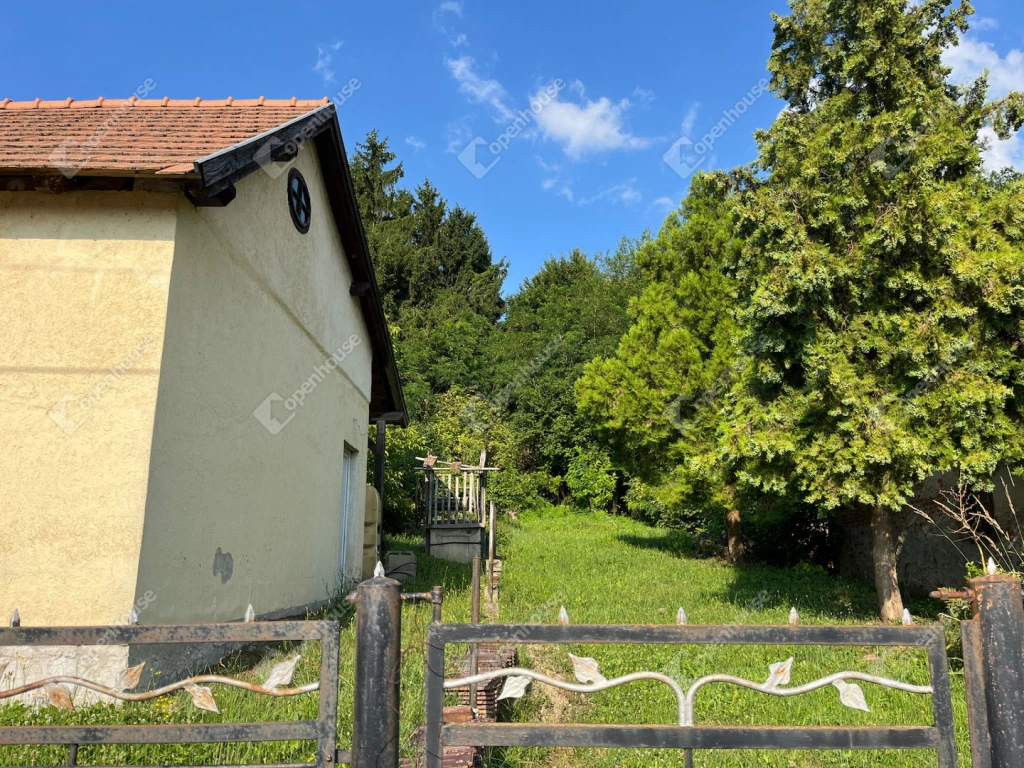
[245, 507]
[928, 558]
[83, 302]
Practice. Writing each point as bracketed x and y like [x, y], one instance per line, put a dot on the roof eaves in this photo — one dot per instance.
[342, 194]
[220, 170]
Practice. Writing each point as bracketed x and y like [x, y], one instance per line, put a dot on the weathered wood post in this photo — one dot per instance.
[999, 607]
[378, 675]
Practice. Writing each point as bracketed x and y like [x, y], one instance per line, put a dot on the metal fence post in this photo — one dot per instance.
[375, 738]
[1000, 610]
[474, 649]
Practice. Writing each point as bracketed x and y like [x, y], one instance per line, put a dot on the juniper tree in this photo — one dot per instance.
[883, 276]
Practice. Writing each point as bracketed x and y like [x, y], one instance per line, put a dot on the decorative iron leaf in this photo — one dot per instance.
[59, 696]
[379, 572]
[132, 676]
[794, 617]
[563, 617]
[778, 674]
[681, 617]
[514, 688]
[850, 695]
[250, 614]
[202, 697]
[15, 618]
[908, 620]
[281, 674]
[586, 669]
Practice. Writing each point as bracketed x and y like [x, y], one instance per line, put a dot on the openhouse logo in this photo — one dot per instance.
[685, 155]
[480, 155]
[265, 411]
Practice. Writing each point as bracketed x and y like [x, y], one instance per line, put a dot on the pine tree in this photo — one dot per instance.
[883, 274]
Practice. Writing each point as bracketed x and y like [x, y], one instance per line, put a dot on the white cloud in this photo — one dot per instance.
[555, 181]
[457, 135]
[971, 57]
[480, 90]
[690, 119]
[662, 205]
[594, 126]
[458, 40]
[981, 23]
[415, 143]
[323, 61]
[1002, 154]
[451, 6]
[624, 193]
[643, 96]
[968, 60]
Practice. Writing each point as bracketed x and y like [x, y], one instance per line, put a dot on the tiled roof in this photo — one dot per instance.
[133, 136]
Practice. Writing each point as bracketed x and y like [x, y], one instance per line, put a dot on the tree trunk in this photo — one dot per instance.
[734, 530]
[883, 553]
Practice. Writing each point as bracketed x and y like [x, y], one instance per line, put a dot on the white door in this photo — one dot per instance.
[347, 471]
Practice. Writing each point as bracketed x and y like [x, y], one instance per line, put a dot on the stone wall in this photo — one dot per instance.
[928, 559]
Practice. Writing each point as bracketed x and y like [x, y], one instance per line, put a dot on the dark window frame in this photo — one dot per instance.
[299, 201]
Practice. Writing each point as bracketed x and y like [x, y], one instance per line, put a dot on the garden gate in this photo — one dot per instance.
[993, 667]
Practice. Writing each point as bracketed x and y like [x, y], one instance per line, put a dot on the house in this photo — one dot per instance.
[192, 345]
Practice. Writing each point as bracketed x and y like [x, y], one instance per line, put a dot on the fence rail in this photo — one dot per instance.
[323, 730]
[686, 735]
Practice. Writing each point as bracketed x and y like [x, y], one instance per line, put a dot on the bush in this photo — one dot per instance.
[591, 479]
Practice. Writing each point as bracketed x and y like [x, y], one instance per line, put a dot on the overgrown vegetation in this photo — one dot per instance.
[819, 331]
[613, 570]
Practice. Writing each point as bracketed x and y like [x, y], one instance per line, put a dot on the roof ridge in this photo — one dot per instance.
[134, 101]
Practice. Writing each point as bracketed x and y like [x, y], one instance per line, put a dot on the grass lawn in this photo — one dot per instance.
[603, 570]
[607, 570]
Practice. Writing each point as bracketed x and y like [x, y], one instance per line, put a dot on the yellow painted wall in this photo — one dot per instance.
[236, 514]
[83, 281]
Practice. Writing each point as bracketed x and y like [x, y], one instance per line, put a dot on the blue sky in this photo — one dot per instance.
[602, 91]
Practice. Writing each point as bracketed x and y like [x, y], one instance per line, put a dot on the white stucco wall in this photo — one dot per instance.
[83, 280]
[237, 514]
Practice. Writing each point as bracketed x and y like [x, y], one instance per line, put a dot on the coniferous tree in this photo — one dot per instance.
[882, 274]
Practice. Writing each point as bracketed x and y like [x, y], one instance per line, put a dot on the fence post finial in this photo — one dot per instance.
[794, 617]
[15, 618]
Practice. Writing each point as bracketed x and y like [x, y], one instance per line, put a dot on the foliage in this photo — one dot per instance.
[658, 399]
[573, 309]
[881, 273]
[591, 479]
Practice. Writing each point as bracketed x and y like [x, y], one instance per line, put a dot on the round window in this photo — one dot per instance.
[298, 200]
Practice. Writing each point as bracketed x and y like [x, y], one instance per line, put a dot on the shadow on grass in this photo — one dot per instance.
[431, 571]
[676, 543]
[755, 587]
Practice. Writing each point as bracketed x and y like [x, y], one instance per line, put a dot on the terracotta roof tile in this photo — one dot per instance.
[135, 135]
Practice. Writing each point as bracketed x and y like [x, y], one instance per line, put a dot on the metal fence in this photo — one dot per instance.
[323, 730]
[686, 734]
[993, 668]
